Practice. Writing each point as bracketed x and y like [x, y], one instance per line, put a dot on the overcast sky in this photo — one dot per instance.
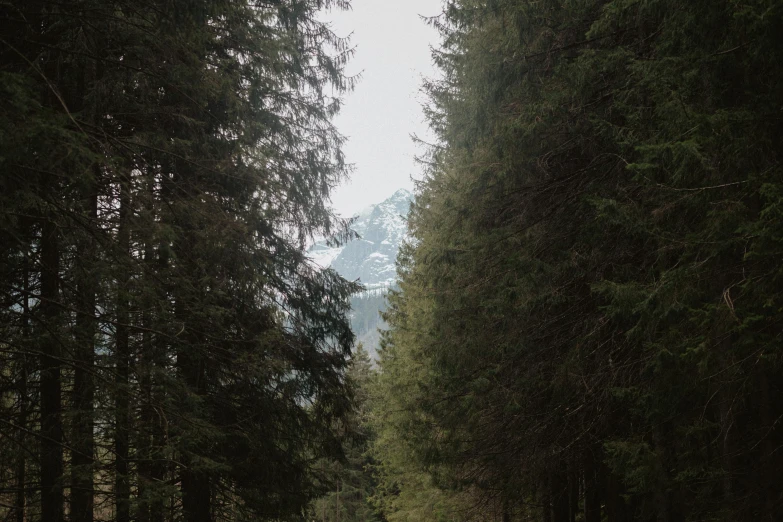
[379, 116]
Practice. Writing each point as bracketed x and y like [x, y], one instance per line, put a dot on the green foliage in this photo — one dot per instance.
[167, 349]
[351, 481]
[592, 297]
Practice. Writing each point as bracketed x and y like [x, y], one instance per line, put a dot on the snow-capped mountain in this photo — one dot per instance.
[371, 258]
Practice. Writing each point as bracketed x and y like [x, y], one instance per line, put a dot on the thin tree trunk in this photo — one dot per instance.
[146, 369]
[592, 489]
[51, 394]
[546, 502]
[196, 494]
[147, 420]
[161, 466]
[122, 480]
[82, 495]
[573, 491]
[559, 495]
[152, 465]
[158, 348]
[616, 510]
[21, 463]
[195, 483]
[770, 471]
[726, 412]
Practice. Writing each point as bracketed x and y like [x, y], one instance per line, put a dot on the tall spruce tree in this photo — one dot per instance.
[588, 325]
[168, 350]
[351, 480]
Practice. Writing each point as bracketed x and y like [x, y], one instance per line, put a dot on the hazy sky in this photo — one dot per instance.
[379, 116]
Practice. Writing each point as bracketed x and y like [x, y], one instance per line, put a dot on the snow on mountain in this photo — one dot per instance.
[370, 259]
[323, 255]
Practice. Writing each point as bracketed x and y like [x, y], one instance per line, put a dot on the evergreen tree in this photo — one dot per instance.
[587, 325]
[168, 350]
[351, 479]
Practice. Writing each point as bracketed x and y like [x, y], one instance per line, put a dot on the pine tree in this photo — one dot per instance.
[166, 166]
[569, 319]
[351, 480]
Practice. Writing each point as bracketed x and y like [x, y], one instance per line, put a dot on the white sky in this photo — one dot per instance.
[380, 115]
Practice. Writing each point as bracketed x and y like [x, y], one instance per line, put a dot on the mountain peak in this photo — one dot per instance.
[371, 258]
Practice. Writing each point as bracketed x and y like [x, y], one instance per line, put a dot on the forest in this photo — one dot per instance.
[588, 321]
[167, 350]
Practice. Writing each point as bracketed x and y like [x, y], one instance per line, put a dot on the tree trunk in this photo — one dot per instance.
[593, 486]
[770, 471]
[20, 499]
[726, 398]
[159, 464]
[196, 494]
[191, 364]
[152, 463]
[546, 502]
[146, 366]
[122, 480]
[21, 462]
[147, 421]
[616, 510]
[559, 496]
[573, 491]
[82, 481]
[51, 393]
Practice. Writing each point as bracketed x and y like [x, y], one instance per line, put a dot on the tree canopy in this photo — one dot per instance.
[168, 351]
[589, 320]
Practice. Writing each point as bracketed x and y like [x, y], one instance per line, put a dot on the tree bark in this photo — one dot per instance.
[152, 463]
[20, 499]
[122, 427]
[573, 491]
[21, 462]
[559, 496]
[196, 490]
[82, 481]
[770, 472]
[616, 510]
[546, 502]
[51, 393]
[147, 420]
[146, 366]
[159, 465]
[593, 488]
[726, 398]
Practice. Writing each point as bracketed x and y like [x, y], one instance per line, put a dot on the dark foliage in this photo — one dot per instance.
[589, 325]
[167, 351]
